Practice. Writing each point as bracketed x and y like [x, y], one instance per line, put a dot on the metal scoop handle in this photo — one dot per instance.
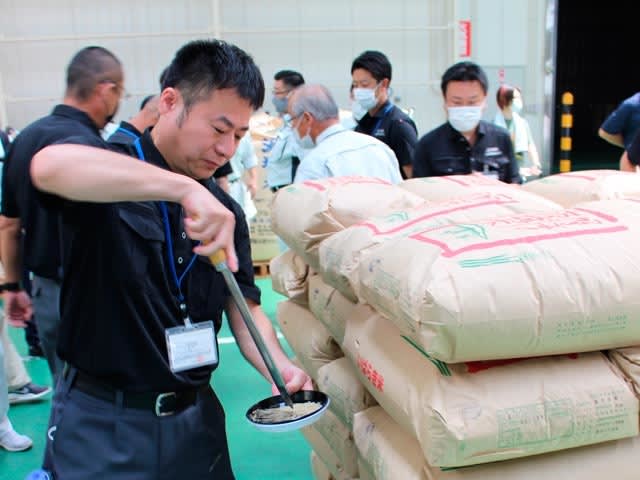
[219, 261]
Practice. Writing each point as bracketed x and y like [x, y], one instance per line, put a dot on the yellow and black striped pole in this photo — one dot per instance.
[566, 122]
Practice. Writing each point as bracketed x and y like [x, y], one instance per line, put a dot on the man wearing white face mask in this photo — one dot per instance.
[283, 155]
[334, 150]
[466, 143]
[371, 76]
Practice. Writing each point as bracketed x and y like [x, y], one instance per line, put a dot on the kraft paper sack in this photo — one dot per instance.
[329, 306]
[333, 442]
[571, 188]
[386, 451]
[289, 276]
[348, 395]
[439, 189]
[340, 254]
[611, 460]
[525, 285]
[304, 214]
[307, 337]
[628, 360]
[479, 412]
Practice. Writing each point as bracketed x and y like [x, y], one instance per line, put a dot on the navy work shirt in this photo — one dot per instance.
[392, 126]
[445, 151]
[42, 248]
[118, 294]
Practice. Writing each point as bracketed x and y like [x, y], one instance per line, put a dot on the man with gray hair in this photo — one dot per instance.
[335, 150]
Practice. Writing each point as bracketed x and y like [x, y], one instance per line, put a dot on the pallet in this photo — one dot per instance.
[261, 269]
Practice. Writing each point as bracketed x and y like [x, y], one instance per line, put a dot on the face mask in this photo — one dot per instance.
[357, 110]
[366, 97]
[516, 105]
[305, 142]
[464, 119]
[280, 104]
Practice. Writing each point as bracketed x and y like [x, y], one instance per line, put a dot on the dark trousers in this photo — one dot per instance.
[45, 296]
[89, 438]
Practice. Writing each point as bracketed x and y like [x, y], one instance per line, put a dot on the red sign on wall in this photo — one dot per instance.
[464, 38]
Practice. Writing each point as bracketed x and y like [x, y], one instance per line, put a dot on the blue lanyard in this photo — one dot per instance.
[167, 235]
[128, 132]
[385, 112]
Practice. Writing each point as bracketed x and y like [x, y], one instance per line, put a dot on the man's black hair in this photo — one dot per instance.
[202, 66]
[89, 67]
[290, 78]
[145, 101]
[374, 62]
[464, 72]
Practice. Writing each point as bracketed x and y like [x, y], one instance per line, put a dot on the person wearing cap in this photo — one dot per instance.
[371, 79]
[142, 303]
[465, 143]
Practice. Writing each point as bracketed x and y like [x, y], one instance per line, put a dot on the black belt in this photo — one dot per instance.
[160, 403]
[275, 189]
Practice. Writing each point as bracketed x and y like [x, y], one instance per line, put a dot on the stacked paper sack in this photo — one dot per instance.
[461, 322]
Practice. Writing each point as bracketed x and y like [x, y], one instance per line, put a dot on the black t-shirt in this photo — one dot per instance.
[124, 136]
[42, 234]
[393, 127]
[118, 293]
[445, 151]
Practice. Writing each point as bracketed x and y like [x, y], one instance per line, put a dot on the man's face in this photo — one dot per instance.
[112, 92]
[206, 137]
[464, 94]
[280, 89]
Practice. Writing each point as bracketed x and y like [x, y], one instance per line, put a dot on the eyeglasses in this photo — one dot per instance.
[280, 93]
[119, 88]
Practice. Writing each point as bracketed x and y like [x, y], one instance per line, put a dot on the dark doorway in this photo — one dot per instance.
[595, 62]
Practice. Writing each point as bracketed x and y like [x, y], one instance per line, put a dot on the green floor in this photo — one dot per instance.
[255, 455]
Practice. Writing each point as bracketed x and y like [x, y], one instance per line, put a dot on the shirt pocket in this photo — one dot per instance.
[450, 165]
[207, 292]
[142, 237]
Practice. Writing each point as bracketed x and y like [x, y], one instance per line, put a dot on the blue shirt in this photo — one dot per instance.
[280, 159]
[342, 152]
[625, 120]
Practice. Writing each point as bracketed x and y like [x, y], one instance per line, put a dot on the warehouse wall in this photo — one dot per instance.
[320, 39]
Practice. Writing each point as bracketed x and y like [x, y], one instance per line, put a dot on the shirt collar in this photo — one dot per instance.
[382, 111]
[129, 127]
[151, 153]
[327, 132]
[480, 132]
[75, 114]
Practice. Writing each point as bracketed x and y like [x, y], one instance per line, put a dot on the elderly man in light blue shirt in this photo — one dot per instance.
[335, 150]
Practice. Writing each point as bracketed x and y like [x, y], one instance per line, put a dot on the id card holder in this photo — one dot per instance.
[191, 346]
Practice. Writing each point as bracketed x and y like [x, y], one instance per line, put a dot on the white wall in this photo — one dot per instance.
[320, 38]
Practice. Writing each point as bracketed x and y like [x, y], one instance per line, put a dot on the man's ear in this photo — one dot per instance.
[169, 99]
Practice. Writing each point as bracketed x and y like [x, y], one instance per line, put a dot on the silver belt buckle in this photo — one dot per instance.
[159, 400]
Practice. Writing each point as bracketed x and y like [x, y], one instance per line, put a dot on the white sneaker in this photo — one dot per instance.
[11, 440]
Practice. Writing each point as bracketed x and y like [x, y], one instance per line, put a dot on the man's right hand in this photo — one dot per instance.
[207, 220]
[17, 308]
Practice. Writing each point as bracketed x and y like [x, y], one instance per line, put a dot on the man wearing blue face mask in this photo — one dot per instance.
[466, 143]
[371, 76]
[284, 155]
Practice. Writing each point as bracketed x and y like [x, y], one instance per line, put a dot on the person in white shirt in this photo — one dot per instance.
[243, 181]
[334, 151]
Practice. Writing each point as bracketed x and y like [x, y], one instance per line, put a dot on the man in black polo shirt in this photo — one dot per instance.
[135, 401]
[95, 83]
[465, 143]
[371, 76]
[128, 131]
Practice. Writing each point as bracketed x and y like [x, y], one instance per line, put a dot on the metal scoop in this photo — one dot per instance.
[219, 261]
